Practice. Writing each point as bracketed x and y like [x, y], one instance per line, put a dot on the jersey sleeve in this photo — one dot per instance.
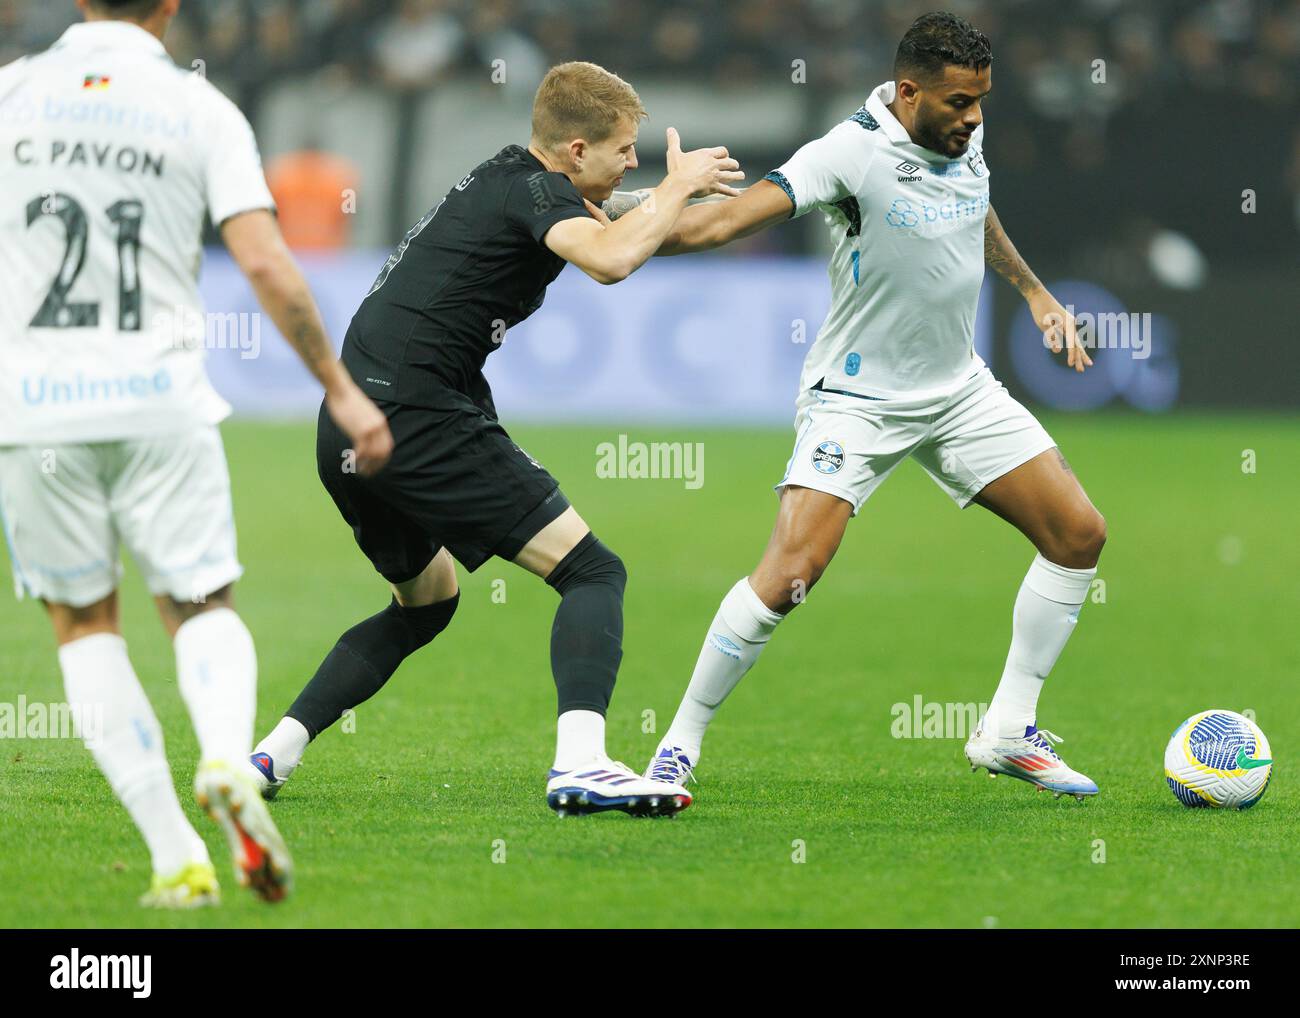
[538, 201]
[823, 171]
[234, 181]
[11, 75]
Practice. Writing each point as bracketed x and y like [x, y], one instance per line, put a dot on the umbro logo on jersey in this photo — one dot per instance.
[911, 172]
[539, 189]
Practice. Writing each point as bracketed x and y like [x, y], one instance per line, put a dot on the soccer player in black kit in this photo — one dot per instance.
[457, 487]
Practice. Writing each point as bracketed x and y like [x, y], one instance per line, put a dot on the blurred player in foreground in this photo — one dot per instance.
[110, 156]
[904, 186]
[477, 264]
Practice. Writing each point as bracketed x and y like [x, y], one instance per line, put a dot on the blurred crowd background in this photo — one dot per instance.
[1200, 101]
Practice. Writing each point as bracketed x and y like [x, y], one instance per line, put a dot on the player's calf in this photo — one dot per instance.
[808, 531]
[587, 635]
[359, 665]
[127, 743]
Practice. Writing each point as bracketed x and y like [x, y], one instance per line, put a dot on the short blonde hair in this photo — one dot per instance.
[582, 100]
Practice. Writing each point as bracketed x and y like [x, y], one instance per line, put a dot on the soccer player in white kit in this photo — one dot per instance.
[110, 155]
[904, 187]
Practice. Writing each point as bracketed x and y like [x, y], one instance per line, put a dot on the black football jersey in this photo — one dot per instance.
[471, 268]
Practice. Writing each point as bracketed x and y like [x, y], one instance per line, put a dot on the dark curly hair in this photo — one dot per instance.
[127, 8]
[938, 40]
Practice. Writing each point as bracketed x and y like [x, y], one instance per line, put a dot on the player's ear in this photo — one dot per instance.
[577, 152]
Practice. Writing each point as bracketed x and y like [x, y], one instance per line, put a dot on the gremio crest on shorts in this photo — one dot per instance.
[828, 457]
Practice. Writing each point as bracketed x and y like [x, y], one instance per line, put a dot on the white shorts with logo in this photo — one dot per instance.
[66, 509]
[847, 445]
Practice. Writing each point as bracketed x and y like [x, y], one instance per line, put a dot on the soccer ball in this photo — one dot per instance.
[1218, 758]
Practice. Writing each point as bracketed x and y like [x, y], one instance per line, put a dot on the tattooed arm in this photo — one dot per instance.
[1002, 257]
[256, 244]
[620, 203]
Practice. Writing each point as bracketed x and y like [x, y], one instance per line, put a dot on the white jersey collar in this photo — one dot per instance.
[90, 35]
[878, 106]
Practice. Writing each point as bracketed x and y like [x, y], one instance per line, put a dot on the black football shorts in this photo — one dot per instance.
[455, 480]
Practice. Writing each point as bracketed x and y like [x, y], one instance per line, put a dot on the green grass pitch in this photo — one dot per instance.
[432, 811]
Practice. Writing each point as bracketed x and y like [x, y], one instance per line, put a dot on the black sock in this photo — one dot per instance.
[587, 638]
[365, 658]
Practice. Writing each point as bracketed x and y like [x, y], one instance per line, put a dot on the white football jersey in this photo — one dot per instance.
[909, 255]
[109, 157]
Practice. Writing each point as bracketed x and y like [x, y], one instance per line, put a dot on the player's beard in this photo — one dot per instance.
[938, 137]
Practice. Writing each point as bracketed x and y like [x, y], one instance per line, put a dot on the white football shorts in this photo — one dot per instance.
[66, 509]
[847, 445]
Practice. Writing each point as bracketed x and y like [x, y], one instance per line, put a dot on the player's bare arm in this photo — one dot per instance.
[256, 244]
[1002, 257]
[609, 250]
[713, 224]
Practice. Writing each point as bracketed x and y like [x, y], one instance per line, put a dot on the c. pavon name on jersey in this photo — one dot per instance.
[100, 155]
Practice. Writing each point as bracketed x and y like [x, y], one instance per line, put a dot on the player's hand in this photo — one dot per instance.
[364, 424]
[597, 213]
[705, 171]
[1058, 328]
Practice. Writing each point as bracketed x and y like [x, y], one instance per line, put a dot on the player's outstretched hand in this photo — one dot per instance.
[705, 170]
[366, 426]
[1058, 327]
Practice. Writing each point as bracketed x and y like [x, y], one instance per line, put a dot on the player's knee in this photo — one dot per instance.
[1094, 537]
[798, 573]
[589, 562]
[1079, 545]
[421, 623]
[808, 568]
[183, 611]
[75, 623]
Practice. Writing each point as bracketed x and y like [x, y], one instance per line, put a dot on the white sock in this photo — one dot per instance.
[122, 731]
[217, 666]
[1046, 611]
[737, 635]
[579, 739]
[285, 744]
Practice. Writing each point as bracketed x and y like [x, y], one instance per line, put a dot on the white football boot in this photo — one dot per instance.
[606, 785]
[267, 774]
[1032, 758]
[672, 764]
[231, 798]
